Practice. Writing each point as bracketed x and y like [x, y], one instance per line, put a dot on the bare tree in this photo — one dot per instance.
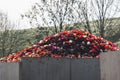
[96, 15]
[103, 11]
[4, 32]
[8, 36]
[82, 13]
[54, 13]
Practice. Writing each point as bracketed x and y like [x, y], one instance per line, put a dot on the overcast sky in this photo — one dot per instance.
[14, 8]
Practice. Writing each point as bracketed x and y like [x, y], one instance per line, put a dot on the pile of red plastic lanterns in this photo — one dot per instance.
[70, 44]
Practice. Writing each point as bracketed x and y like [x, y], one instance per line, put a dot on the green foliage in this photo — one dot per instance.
[17, 40]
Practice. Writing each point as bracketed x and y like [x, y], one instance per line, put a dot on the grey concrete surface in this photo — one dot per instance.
[110, 65]
[85, 69]
[9, 71]
[51, 69]
[60, 69]
[45, 69]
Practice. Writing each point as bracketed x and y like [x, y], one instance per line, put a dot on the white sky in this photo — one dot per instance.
[14, 8]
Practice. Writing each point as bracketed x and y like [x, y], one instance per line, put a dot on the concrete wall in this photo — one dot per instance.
[9, 71]
[45, 69]
[110, 66]
[60, 69]
[51, 69]
[63, 69]
[85, 69]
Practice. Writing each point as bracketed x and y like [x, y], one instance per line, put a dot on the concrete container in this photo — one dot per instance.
[51, 69]
[105, 68]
